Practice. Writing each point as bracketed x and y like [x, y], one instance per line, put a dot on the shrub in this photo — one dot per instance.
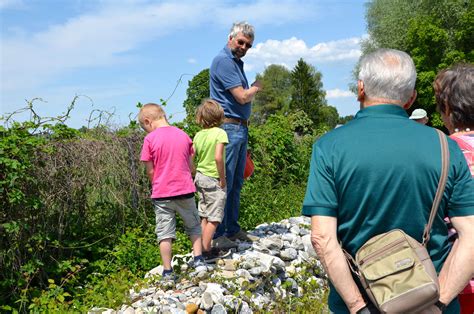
[77, 225]
[261, 201]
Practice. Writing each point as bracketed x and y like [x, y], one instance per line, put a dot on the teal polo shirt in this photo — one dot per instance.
[379, 172]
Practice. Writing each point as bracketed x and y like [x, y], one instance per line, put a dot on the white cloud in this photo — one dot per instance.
[338, 93]
[104, 36]
[85, 41]
[265, 12]
[10, 3]
[287, 52]
[192, 60]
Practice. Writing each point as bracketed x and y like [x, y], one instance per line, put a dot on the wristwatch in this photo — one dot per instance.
[440, 305]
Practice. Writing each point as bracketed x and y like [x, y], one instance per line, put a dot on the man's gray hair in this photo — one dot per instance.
[244, 28]
[388, 73]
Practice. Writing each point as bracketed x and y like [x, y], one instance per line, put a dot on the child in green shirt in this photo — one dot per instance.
[209, 147]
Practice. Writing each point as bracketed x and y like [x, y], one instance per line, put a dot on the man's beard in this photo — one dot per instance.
[238, 52]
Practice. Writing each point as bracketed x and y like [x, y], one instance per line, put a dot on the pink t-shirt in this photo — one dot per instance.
[170, 149]
[466, 143]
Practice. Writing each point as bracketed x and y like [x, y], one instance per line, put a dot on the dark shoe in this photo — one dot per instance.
[215, 254]
[223, 243]
[168, 279]
[200, 265]
[244, 236]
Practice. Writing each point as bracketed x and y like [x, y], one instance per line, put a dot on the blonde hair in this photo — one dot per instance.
[209, 114]
[151, 111]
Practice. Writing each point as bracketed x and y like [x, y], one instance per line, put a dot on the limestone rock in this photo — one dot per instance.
[218, 309]
[261, 273]
[206, 301]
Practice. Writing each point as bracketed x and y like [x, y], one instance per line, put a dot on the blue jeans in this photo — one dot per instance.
[235, 156]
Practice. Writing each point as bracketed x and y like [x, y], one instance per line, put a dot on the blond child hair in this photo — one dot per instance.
[151, 111]
[209, 114]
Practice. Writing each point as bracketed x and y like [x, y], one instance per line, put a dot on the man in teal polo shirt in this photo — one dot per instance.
[379, 172]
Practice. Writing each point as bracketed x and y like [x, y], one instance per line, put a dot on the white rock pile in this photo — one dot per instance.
[261, 276]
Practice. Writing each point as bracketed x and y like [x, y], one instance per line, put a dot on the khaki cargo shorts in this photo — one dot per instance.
[211, 197]
[165, 213]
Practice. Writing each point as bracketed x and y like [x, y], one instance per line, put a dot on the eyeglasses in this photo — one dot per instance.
[243, 43]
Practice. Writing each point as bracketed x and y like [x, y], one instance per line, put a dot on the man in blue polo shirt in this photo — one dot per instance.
[379, 172]
[230, 88]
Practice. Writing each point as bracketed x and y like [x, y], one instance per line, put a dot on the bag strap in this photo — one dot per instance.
[351, 262]
[441, 185]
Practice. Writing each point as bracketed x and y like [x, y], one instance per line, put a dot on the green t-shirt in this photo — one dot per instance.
[205, 142]
[380, 172]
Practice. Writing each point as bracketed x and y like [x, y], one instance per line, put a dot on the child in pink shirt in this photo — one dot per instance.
[167, 153]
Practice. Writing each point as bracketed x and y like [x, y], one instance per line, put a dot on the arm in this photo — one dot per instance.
[149, 170]
[324, 240]
[192, 168]
[220, 163]
[244, 96]
[459, 266]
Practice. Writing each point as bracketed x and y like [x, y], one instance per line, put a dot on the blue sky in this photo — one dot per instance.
[118, 53]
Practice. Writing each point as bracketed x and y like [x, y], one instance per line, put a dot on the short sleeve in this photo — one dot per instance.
[146, 151]
[321, 196]
[228, 73]
[461, 202]
[222, 137]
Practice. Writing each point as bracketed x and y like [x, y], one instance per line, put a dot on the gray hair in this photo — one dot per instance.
[244, 28]
[388, 73]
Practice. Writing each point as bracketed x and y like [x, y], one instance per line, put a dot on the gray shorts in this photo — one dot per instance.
[211, 197]
[165, 213]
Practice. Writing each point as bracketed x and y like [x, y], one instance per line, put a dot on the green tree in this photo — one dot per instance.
[275, 95]
[387, 21]
[431, 41]
[344, 120]
[198, 89]
[307, 93]
[328, 116]
[436, 33]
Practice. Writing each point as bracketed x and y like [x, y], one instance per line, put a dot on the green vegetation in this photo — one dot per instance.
[436, 33]
[77, 226]
[275, 96]
[289, 92]
[74, 214]
[307, 94]
[198, 89]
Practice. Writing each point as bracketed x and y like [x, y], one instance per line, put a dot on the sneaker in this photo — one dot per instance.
[168, 279]
[223, 243]
[215, 254]
[244, 236]
[200, 265]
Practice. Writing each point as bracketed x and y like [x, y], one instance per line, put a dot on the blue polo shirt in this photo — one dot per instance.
[379, 172]
[227, 72]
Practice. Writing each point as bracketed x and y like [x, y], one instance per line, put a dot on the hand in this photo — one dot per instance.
[258, 85]
[222, 183]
